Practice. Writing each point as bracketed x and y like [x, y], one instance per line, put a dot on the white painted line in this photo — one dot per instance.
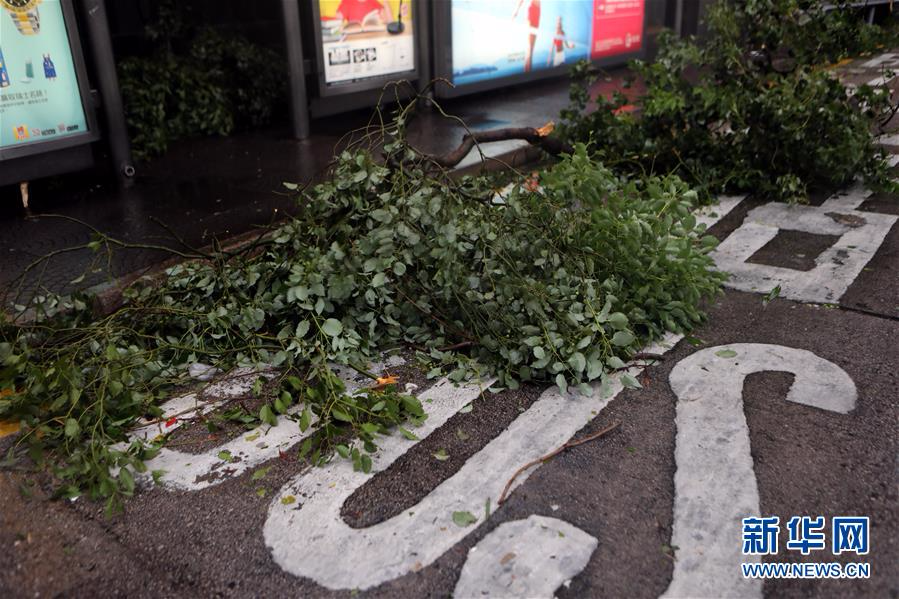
[715, 483]
[709, 215]
[525, 558]
[196, 471]
[184, 408]
[847, 199]
[880, 81]
[861, 234]
[309, 538]
[887, 60]
[889, 140]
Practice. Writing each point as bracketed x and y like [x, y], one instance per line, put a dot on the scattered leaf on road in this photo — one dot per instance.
[464, 518]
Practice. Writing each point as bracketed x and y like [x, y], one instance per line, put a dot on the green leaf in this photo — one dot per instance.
[378, 280]
[288, 500]
[332, 327]
[126, 481]
[267, 416]
[466, 408]
[623, 338]
[630, 382]
[562, 383]
[343, 451]
[408, 434]
[441, 455]
[539, 353]
[771, 295]
[72, 428]
[260, 474]
[305, 419]
[726, 353]
[615, 362]
[224, 455]
[341, 415]
[577, 361]
[618, 320]
[463, 519]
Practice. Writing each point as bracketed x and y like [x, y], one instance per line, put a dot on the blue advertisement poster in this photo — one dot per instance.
[39, 94]
[508, 37]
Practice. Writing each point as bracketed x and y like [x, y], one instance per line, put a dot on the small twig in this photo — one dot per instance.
[552, 454]
[639, 356]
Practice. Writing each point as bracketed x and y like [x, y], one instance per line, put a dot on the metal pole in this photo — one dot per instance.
[299, 105]
[423, 31]
[108, 80]
[679, 18]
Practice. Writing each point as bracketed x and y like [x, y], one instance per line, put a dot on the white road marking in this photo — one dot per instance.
[709, 215]
[715, 483]
[887, 60]
[525, 558]
[836, 268]
[193, 472]
[309, 538]
[889, 140]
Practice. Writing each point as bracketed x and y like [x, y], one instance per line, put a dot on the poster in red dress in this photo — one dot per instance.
[617, 27]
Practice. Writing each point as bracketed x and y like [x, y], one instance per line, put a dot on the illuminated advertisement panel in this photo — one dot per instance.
[501, 38]
[40, 98]
[364, 39]
[617, 27]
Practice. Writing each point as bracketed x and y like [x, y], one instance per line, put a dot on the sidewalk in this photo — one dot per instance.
[221, 187]
[781, 408]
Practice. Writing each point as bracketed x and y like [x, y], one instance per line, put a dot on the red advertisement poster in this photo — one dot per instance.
[617, 27]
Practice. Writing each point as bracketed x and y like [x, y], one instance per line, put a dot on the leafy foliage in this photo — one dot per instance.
[558, 283]
[747, 111]
[197, 81]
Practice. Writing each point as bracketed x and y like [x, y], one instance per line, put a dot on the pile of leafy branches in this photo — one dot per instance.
[748, 110]
[559, 283]
[196, 81]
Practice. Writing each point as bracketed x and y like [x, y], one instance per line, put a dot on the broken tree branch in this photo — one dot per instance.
[538, 137]
[552, 454]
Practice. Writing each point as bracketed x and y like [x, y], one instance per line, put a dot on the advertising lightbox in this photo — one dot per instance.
[617, 27]
[506, 38]
[365, 39]
[42, 99]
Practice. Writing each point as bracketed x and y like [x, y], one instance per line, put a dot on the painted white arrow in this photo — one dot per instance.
[525, 558]
[715, 485]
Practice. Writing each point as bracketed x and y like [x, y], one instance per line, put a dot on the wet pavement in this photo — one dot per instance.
[787, 407]
[221, 187]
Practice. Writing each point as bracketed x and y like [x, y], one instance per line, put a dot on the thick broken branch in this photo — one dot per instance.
[536, 137]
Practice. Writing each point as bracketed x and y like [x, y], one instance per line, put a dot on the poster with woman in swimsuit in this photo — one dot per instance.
[510, 37]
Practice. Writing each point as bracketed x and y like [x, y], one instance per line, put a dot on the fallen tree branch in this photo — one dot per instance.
[552, 454]
[536, 137]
